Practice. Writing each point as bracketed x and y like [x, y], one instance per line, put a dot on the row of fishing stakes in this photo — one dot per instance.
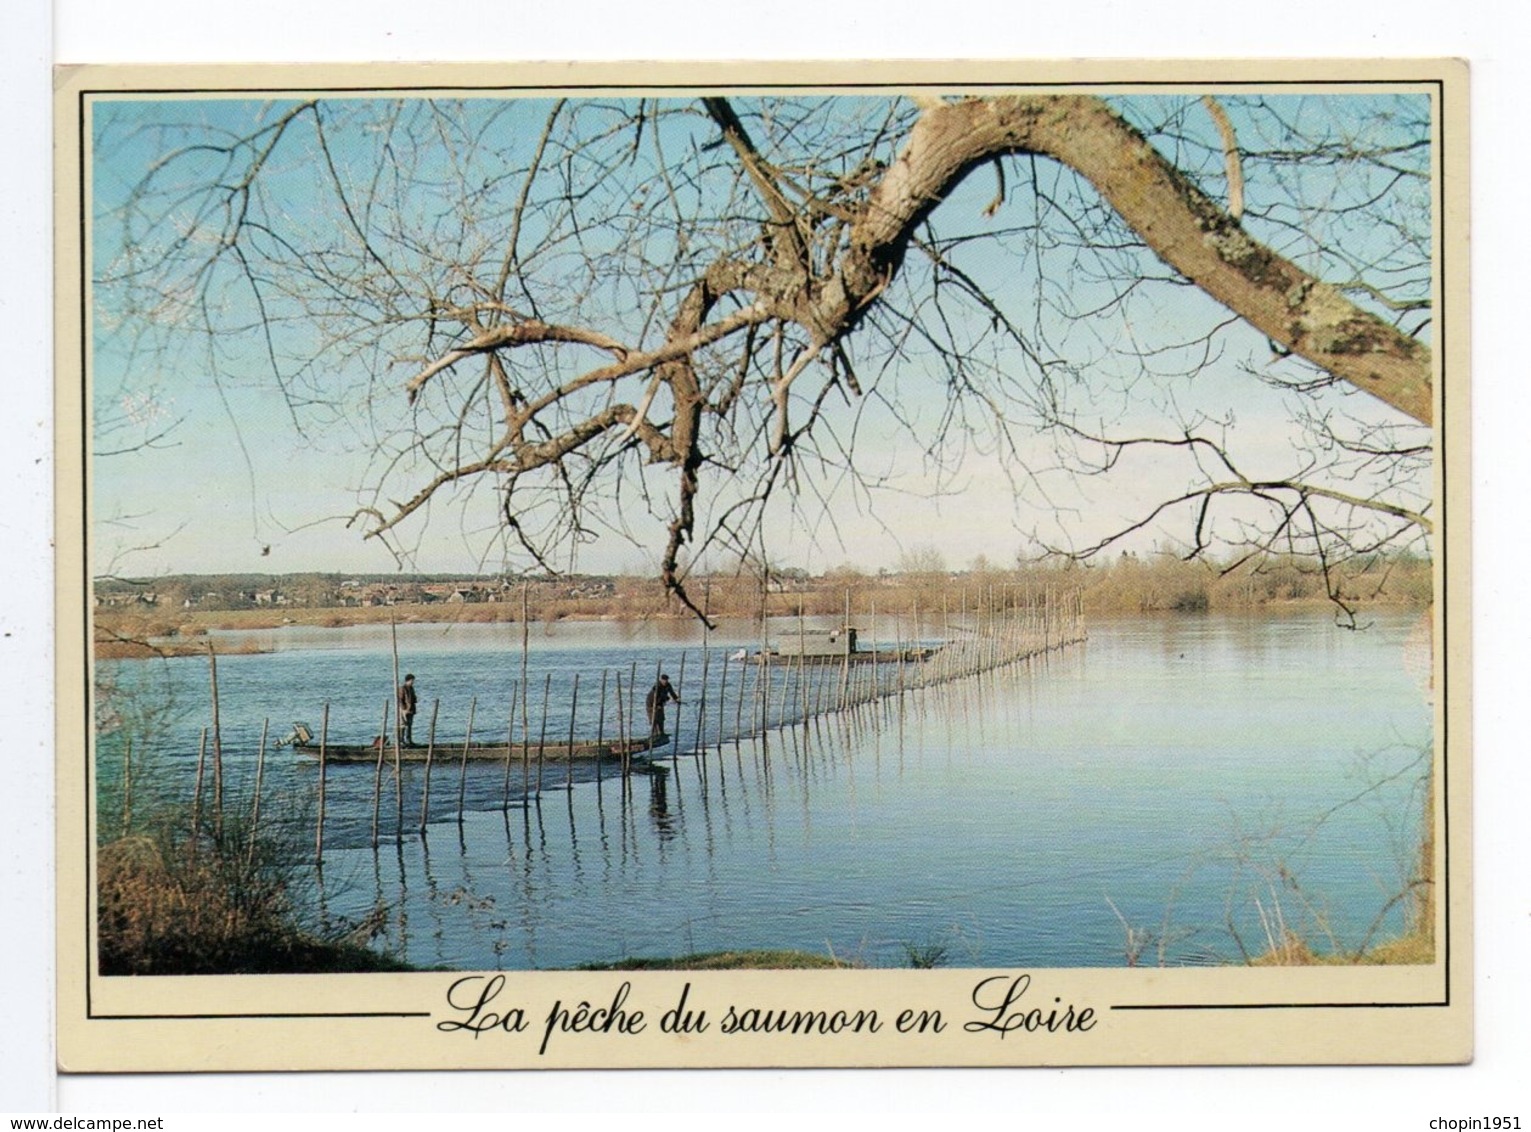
[981, 632]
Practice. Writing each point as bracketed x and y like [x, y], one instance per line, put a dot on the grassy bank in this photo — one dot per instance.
[728, 961]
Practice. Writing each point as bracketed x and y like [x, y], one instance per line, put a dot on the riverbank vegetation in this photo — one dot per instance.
[170, 903]
[187, 892]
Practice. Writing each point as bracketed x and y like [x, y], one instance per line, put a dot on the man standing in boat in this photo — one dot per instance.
[408, 701]
[659, 695]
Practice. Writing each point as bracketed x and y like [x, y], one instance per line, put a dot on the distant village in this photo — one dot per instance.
[311, 591]
[333, 591]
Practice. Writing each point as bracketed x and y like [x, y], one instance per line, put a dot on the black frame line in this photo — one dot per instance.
[1441, 432]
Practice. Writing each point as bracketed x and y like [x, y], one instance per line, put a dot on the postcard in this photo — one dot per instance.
[938, 564]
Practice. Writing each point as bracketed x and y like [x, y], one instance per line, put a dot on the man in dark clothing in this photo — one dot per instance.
[407, 704]
[659, 695]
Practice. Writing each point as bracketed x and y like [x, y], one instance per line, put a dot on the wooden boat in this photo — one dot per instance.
[447, 752]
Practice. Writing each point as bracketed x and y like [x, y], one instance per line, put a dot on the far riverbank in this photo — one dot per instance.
[1125, 586]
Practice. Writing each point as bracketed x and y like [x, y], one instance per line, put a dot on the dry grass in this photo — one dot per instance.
[169, 905]
[1415, 948]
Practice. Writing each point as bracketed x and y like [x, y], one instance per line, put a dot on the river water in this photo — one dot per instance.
[1176, 790]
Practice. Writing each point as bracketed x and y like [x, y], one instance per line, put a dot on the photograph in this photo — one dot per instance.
[834, 564]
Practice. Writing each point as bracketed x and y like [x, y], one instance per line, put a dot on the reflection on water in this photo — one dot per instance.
[1188, 787]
